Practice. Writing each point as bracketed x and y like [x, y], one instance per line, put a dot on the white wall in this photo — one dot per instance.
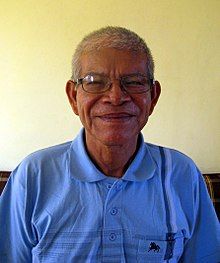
[37, 39]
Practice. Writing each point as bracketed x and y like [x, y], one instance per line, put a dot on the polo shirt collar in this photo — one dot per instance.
[82, 168]
[143, 165]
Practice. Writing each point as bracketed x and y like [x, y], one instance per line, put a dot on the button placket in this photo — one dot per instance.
[113, 202]
[112, 232]
[119, 185]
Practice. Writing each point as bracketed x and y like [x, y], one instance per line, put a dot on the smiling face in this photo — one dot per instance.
[114, 117]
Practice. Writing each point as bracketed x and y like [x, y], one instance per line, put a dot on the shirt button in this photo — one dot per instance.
[112, 236]
[109, 186]
[114, 211]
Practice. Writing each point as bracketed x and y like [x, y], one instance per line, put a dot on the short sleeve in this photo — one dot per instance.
[204, 244]
[17, 235]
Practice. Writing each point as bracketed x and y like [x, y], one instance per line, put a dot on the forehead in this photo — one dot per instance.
[113, 62]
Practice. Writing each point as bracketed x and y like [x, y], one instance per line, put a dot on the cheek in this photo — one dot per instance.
[144, 105]
[82, 103]
[85, 105]
[145, 110]
[81, 106]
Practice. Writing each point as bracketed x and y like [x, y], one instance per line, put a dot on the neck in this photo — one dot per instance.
[111, 160]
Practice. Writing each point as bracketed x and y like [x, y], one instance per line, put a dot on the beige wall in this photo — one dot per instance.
[37, 39]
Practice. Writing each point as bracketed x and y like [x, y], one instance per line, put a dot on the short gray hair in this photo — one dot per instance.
[112, 37]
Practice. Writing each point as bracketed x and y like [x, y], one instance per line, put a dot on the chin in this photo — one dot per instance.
[117, 139]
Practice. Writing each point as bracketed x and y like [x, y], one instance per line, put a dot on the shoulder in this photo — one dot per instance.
[176, 155]
[43, 170]
[53, 152]
[43, 160]
[182, 165]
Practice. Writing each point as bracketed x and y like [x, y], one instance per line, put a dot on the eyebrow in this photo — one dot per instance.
[124, 75]
[95, 73]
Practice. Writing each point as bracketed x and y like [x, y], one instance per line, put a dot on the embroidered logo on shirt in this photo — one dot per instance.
[153, 246]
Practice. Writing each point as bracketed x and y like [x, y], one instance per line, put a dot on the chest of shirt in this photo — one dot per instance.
[106, 219]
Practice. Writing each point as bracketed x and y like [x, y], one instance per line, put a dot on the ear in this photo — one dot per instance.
[155, 94]
[71, 94]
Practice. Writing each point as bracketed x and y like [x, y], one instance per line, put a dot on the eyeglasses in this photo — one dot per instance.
[96, 83]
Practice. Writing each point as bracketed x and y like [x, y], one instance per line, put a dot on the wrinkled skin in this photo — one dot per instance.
[112, 120]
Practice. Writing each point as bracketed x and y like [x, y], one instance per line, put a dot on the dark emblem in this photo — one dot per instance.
[153, 246]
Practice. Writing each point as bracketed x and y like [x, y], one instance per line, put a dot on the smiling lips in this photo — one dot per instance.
[116, 117]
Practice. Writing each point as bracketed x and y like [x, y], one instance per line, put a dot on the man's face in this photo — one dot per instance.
[114, 117]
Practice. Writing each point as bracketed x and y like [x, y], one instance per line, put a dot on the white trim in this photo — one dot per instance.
[168, 170]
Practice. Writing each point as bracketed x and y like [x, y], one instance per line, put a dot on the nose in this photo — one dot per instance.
[116, 95]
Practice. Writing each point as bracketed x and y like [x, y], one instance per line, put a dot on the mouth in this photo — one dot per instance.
[116, 117]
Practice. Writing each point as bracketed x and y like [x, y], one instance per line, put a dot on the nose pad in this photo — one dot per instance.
[117, 94]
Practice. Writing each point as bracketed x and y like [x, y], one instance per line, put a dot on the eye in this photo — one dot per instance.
[94, 80]
[94, 83]
[133, 83]
[130, 81]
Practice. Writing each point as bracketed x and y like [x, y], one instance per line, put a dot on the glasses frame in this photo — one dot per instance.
[108, 85]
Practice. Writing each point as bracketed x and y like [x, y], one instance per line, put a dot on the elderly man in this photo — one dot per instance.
[107, 196]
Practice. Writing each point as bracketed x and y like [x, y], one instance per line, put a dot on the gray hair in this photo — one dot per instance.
[112, 37]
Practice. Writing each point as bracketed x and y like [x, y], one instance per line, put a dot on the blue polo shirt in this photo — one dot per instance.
[58, 207]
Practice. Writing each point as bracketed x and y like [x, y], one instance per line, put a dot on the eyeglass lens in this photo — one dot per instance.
[100, 83]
